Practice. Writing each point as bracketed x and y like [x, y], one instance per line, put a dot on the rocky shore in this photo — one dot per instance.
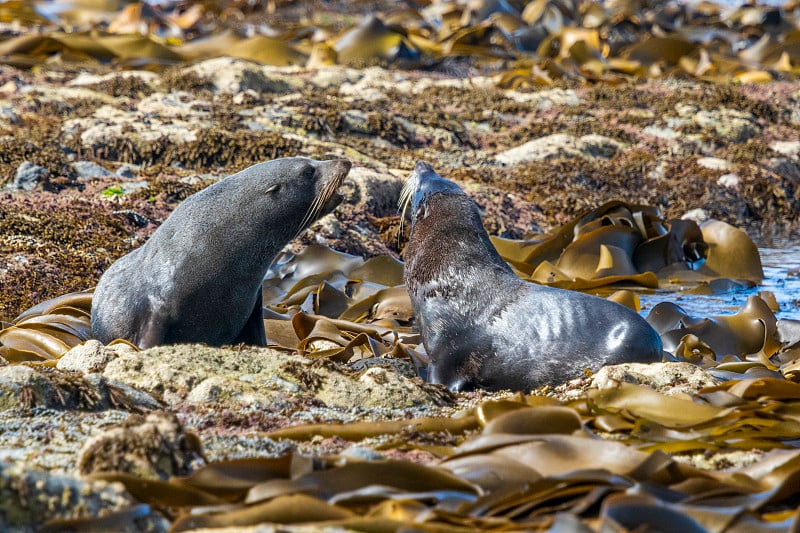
[94, 158]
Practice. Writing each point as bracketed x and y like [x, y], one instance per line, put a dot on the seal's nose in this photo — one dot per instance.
[422, 167]
[342, 165]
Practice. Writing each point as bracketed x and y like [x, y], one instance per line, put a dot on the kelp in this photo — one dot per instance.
[546, 39]
[533, 466]
[330, 305]
[48, 330]
[619, 242]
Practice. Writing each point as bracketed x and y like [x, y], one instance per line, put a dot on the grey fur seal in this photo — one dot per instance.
[484, 327]
[198, 278]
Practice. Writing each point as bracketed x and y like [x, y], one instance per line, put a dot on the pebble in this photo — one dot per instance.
[28, 176]
[127, 171]
[89, 169]
[713, 163]
[729, 180]
[787, 148]
[698, 215]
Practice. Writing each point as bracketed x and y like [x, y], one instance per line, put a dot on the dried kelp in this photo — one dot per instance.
[620, 242]
[47, 330]
[534, 466]
[546, 40]
[330, 305]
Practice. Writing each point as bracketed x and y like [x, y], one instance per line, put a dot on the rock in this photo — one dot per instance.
[156, 446]
[560, 145]
[713, 163]
[176, 104]
[91, 356]
[133, 186]
[786, 167]
[89, 169]
[666, 378]
[117, 395]
[8, 116]
[363, 454]
[787, 148]
[179, 125]
[601, 146]
[84, 78]
[729, 180]
[233, 76]
[544, 148]
[373, 192]
[256, 377]
[661, 133]
[127, 171]
[698, 215]
[28, 176]
[30, 498]
[547, 99]
[330, 77]
[729, 124]
[373, 84]
[22, 386]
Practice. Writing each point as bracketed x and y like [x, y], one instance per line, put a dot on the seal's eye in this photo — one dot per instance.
[273, 188]
[308, 172]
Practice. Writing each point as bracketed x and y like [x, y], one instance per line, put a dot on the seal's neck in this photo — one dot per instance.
[448, 240]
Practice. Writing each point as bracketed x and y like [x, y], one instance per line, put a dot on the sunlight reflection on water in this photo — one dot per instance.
[782, 278]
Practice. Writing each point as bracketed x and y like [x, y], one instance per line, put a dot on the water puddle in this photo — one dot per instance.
[781, 266]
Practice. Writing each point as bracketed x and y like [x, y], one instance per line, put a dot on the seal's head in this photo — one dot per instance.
[289, 193]
[442, 217]
[423, 183]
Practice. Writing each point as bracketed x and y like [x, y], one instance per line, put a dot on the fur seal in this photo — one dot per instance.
[484, 327]
[198, 278]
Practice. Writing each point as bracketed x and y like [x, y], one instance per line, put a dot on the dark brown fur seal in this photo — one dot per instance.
[484, 327]
[198, 278]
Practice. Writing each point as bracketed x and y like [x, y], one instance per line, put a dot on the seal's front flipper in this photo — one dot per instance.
[253, 331]
[152, 333]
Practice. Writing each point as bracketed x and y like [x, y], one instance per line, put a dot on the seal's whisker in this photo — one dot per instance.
[405, 200]
[316, 206]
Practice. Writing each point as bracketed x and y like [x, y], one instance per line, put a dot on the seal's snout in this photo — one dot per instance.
[337, 168]
[428, 182]
[342, 166]
[422, 167]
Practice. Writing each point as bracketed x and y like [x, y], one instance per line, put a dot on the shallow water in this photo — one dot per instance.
[782, 278]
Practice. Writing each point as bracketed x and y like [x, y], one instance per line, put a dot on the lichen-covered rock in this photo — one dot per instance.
[559, 146]
[155, 446]
[790, 149]
[22, 386]
[29, 498]
[727, 124]
[256, 377]
[90, 356]
[667, 378]
[233, 76]
[713, 163]
[547, 99]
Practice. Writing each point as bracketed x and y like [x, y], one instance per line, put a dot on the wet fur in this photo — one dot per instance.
[484, 327]
[198, 278]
